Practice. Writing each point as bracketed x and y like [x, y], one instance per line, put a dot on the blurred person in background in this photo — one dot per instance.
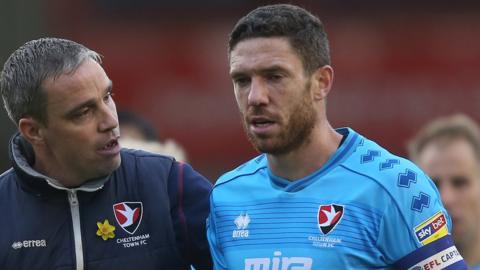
[448, 150]
[316, 197]
[136, 127]
[168, 147]
[138, 133]
[74, 199]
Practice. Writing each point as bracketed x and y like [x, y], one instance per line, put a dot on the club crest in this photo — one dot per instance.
[328, 217]
[128, 215]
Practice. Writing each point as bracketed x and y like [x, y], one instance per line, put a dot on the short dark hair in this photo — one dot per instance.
[448, 127]
[26, 69]
[304, 31]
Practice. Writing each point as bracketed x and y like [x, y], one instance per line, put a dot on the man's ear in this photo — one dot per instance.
[322, 82]
[31, 130]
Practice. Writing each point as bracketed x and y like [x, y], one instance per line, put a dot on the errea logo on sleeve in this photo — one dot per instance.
[29, 244]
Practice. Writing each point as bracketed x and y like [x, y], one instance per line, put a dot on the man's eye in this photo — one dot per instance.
[82, 113]
[108, 96]
[274, 77]
[241, 81]
[460, 182]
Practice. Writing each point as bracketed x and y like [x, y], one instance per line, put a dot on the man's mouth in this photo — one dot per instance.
[261, 122]
[110, 145]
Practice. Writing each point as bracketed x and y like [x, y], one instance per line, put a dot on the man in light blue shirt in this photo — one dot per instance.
[317, 197]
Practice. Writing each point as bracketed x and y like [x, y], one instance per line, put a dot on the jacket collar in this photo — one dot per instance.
[22, 157]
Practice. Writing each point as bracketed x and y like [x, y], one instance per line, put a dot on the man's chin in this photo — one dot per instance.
[269, 148]
[262, 145]
[111, 166]
[116, 164]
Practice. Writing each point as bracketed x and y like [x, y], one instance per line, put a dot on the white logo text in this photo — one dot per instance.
[134, 241]
[279, 263]
[29, 244]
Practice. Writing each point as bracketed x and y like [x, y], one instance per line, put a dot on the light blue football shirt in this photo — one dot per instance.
[364, 209]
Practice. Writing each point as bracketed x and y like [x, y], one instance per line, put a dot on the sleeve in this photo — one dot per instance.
[189, 192]
[439, 254]
[217, 254]
[414, 231]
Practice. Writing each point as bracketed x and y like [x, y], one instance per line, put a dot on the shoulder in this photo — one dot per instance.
[248, 168]
[147, 163]
[138, 164]
[410, 190]
[414, 199]
[141, 155]
[131, 157]
[6, 177]
[396, 175]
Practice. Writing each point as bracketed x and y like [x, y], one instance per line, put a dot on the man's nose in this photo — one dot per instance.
[108, 118]
[258, 94]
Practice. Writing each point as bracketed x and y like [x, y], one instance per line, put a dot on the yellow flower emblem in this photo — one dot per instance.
[105, 230]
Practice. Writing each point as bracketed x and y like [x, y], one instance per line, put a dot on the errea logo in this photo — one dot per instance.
[242, 222]
[29, 244]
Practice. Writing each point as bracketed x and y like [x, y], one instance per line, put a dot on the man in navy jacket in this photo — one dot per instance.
[74, 199]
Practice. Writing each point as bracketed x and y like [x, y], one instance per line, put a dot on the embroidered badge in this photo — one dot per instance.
[329, 216]
[128, 215]
[105, 230]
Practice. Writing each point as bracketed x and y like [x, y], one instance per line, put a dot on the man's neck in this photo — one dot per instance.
[60, 179]
[307, 158]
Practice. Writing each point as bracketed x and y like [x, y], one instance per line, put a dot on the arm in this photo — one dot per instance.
[218, 260]
[415, 230]
[189, 192]
[441, 254]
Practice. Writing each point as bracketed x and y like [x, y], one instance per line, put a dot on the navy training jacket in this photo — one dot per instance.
[156, 205]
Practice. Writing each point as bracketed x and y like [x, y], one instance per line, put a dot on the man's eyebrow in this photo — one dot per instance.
[109, 87]
[87, 103]
[236, 74]
[270, 69]
[273, 69]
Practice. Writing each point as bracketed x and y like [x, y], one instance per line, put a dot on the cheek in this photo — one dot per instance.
[473, 193]
[241, 101]
[467, 199]
[113, 107]
[65, 142]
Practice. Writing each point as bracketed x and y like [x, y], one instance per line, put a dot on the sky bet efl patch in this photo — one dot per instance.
[432, 229]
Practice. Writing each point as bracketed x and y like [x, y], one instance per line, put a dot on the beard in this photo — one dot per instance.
[294, 134]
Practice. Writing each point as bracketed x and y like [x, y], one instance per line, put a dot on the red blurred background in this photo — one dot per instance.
[397, 65]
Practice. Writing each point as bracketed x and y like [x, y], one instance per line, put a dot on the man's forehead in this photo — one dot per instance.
[70, 89]
[448, 160]
[261, 45]
[85, 67]
[263, 53]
